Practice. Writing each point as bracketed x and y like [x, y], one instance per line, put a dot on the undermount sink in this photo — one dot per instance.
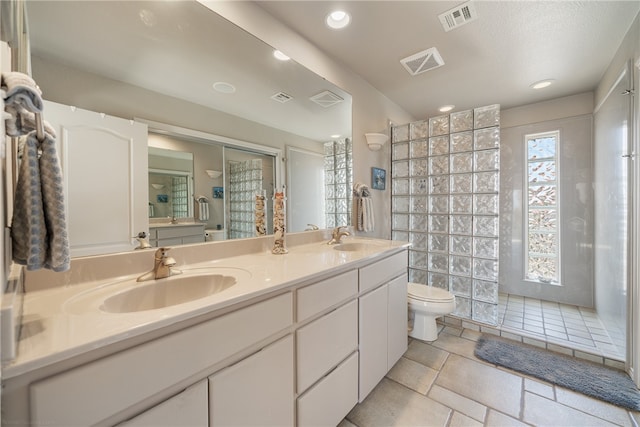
[167, 292]
[129, 296]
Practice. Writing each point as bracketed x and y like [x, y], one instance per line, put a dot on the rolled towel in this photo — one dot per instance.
[22, 90]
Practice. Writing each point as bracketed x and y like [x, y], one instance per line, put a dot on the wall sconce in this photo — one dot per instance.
[376, 140]
[213, 174]
[158, 186]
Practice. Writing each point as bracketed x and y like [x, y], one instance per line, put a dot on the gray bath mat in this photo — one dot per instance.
[592, 379]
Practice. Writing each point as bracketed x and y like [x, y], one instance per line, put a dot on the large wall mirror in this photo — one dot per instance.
[185, 70]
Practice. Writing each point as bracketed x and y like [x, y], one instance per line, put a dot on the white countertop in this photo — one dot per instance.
[56, 327]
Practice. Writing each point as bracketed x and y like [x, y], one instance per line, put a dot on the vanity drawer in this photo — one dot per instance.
[323, 343]
[382, 271]
[327, 402]
[100, 389]
[180, 231]
[315, 298]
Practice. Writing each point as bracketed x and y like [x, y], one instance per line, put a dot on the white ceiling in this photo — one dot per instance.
[491, 60]
[179, 49]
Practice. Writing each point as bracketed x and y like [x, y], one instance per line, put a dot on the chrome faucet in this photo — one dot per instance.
[337, 234]
[162, 266]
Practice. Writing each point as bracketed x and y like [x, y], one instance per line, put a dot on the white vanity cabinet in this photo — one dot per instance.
[100, 390]
[186, 409]
[302, 356]
[326, 347]
[177, 234]
[257, 391]
[382, 317]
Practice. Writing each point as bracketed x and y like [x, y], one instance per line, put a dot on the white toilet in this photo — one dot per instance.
[426, 303]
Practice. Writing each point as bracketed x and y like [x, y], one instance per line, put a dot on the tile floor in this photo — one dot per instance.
[443, 384]
[566, 325]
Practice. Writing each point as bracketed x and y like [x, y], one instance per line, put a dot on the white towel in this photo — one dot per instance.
[203, 208]
[23, 99]
[21, 89]
[368, 223]
[38, 229]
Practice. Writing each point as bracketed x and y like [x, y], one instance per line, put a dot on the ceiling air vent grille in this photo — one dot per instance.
[326, 99]
[281, 97]
[458, 16]
[422, 61]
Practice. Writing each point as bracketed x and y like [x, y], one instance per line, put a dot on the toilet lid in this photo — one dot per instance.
[429, 293]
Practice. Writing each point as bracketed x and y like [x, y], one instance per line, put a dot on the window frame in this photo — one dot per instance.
[525, 204]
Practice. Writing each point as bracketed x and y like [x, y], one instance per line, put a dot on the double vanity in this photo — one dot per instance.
[239, 337]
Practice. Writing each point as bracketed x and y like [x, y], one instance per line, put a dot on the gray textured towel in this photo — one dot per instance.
[28, 230]
[38, 230]
[22, 90]
[57, 258]
[23, 121]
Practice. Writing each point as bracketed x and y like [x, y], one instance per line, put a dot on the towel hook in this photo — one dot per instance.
[39, 127]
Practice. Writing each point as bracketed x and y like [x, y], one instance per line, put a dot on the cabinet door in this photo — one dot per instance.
[189, 408]
[397, 320]
[104, 166]
[373, 339]
[257, 391]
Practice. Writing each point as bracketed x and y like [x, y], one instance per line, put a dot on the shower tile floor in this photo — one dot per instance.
[565, 325]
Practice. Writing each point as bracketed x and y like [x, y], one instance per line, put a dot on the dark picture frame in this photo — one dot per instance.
[378, 178]
[217, 192]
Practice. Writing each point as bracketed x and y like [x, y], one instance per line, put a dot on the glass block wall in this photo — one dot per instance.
[338, 182]
[180, 196]
[445, 184]
[245, 178]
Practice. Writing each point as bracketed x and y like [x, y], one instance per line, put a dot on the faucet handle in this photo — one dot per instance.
[162, 252]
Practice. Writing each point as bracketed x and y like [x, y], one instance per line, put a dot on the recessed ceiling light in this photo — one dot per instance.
[542, 84]
[281, 56]
[224, 87]
[338, 19]
[335, 136]
[446, 108]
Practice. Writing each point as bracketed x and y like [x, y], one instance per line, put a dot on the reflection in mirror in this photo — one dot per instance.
[161, 65]
[247, 174]
[170, 183]
[229, 195]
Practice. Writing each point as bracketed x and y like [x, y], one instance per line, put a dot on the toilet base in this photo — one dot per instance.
[425, 327]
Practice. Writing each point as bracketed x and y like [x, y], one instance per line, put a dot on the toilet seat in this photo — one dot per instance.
[429, 294]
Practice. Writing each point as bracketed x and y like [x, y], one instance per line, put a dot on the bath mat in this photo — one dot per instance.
[591, 379]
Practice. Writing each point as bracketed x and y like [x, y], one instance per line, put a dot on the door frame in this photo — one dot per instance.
[633, 318]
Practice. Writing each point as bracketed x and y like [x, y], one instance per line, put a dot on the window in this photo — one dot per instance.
[542, 231]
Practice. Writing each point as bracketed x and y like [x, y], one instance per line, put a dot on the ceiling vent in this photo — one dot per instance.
[281, 97]
[458, 16]
[422, 61]
[326, 99]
